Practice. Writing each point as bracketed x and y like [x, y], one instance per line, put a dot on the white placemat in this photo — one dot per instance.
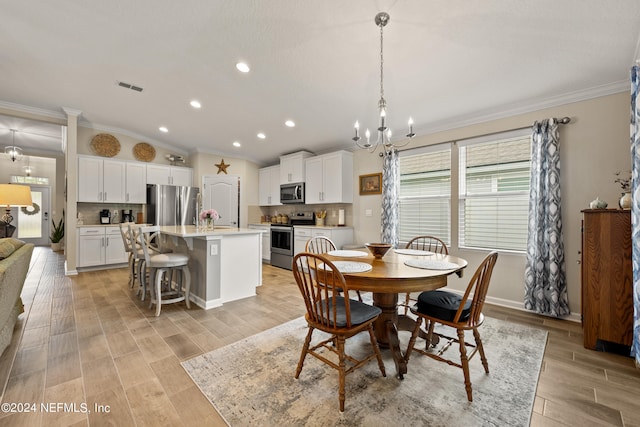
[413, 252]
[431, 264]
[347, 253]
[350, 266]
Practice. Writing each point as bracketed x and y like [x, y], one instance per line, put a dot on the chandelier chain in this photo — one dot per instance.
[381, 64]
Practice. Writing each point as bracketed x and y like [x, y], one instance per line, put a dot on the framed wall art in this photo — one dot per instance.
[371, 184]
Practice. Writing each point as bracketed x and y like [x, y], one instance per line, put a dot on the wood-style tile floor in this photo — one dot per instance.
[88, 340]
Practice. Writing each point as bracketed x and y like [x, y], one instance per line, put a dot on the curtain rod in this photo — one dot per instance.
[561, 121]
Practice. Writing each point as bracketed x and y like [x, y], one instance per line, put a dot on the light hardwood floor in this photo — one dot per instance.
[88, 339]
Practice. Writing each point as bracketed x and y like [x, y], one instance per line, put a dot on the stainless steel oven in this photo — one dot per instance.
[282, 246]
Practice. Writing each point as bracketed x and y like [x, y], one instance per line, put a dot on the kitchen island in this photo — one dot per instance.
[225, 263]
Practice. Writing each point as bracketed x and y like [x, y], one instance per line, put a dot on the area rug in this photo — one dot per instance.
[251, 382]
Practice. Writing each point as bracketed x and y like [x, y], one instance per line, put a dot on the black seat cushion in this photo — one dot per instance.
[442, 305]
[360, 312]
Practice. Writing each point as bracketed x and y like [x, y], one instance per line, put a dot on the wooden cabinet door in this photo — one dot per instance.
[607, 284]
[113, 181]
[136, 183]
[90, 179]
[182, 176]
[158, 174]
[314, 186]
[91, 250]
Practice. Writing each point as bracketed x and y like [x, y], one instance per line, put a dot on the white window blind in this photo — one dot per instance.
[494, 192]
[425, 193]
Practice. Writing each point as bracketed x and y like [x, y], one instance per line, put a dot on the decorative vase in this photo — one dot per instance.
[210, 224]
[55, 247]
[625, 201]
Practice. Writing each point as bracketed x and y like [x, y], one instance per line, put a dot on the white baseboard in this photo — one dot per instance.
[517, 305]
[205, 305]
[68, 272]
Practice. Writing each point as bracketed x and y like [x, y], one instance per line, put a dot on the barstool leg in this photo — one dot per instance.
[187, 285]
[158, 290]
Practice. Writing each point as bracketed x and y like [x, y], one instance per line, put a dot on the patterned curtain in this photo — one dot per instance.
[390, 199]
[635, 209]
[545, 278]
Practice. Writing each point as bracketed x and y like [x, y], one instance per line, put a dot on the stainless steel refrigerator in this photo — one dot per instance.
[171, 205]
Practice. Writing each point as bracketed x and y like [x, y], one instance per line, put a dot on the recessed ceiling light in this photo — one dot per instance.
[261, 135]
[195, 104]
[236, 144]
[242, 67]
[163, 129]
[290, 123]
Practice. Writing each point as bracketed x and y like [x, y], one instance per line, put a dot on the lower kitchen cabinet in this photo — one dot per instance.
[100, 245]
[339, 235]
[266, 240]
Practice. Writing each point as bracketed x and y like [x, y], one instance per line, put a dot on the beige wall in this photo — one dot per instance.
[592, 147]
[205, 164]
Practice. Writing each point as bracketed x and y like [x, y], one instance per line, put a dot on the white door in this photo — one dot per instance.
[34, 222]
[222, 194]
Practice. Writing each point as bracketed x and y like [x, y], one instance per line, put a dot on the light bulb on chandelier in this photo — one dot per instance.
[14, 152]
[384, 132]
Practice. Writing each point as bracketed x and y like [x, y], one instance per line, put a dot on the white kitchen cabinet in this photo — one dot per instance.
[135, 183]
[340, 236]
[101, 180]
[269, 186]
[169, 175]
[266, 240]
[100, 245]
[292, 167]
[329, 178]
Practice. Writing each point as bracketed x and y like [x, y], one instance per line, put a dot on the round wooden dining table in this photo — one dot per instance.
[388, 277]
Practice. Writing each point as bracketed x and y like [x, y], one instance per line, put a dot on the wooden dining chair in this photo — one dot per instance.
[321, 245]
[320, 283]
[462, 313]
[424, 243]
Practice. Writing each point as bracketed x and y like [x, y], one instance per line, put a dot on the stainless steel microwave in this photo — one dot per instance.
[292, 193]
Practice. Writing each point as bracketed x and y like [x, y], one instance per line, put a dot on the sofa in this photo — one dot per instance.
[15, 257]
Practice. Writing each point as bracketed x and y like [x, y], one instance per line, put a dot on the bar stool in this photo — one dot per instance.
[166, 287]
[127, 239]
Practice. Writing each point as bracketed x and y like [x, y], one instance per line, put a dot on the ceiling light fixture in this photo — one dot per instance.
[290, 123]
[242, 67]
[261, 135]
[384, 132]
[163, 129]
[195, 104]
[14, 152]
[236, 144]
[28, 170]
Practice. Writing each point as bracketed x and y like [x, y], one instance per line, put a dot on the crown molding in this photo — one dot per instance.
[527, 106]
[104, 128]
[72, 111]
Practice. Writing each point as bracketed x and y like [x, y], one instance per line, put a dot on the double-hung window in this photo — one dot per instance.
[425, 193]
[494, 191]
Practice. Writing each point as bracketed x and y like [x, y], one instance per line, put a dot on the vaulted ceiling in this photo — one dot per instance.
[446, 63]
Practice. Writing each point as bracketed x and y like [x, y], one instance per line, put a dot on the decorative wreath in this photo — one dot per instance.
[25, 209]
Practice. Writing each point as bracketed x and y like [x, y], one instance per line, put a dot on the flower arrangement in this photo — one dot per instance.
[625, 183]
[211, 214]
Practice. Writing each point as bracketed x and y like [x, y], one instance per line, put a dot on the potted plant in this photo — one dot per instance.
[57, 233]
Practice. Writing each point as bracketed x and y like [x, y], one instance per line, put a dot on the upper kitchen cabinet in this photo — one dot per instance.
[292, 167]
[169, 175]
[269, 186]
[92, 185]
[329, 178]
[135, 183]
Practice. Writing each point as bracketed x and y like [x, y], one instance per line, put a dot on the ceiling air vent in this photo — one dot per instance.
[130, 86]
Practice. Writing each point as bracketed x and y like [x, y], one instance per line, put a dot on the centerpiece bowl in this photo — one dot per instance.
[378, 250]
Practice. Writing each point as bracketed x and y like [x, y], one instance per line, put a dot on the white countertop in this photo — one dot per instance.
[192, 231]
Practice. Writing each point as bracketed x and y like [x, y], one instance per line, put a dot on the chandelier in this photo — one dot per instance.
[384, 132]
[14, 153]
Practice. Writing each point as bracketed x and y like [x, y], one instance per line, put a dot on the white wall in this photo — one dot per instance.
[593, 147]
